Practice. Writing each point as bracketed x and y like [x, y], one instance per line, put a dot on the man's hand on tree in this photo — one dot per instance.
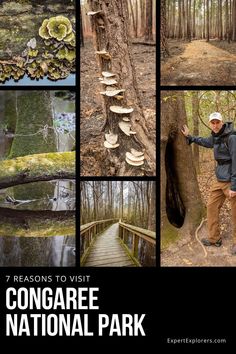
[232, 194]
[185, 130]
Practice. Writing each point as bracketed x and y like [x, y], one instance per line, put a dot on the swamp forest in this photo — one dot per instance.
[118, 223]
[37, 178]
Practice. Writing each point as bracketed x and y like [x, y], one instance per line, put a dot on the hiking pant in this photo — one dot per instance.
[218, 193]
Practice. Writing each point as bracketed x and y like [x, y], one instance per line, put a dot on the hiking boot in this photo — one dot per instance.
[233, 249]
[218, 243]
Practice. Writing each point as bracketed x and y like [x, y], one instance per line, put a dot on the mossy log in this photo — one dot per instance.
[35, 223]
[37, 167]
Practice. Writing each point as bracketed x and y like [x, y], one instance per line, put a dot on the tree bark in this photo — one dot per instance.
[148, 33]
[164, 44]
[34, 116]
[81, 29]
[181, 204]
[208, 30]
[195, 112]
[113, 37]
[38, 167]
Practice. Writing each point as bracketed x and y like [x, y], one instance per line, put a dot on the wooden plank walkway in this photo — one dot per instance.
[107, 251]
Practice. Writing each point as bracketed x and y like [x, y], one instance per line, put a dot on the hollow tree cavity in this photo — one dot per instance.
[175, 208]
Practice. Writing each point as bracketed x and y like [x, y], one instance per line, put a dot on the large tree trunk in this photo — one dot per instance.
[33, 133]
[181, 205]
[195, 114]
[164, 44]
[111, 34]
[38, 167]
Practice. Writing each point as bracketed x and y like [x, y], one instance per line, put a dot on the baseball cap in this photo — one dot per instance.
[215, 115]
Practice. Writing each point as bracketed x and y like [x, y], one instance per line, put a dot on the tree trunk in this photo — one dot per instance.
[33, 133]
[208, 34]
[181, 205]
[114, 39]
[38, 167]
[133, 19]
[194, 19]
[164, 44]
[179, 21]
[81, 30]
[152, 207]
[188, 10]
[148, 33]
[195, 112]
[142, 17]
[221, 25]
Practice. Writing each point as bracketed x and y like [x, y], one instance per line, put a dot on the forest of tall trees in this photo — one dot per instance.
[198, 42]
[206, 19]
[132, 202]
[142, 19]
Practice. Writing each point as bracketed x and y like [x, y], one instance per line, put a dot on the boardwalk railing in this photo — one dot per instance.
[140, 243]
[89, 231]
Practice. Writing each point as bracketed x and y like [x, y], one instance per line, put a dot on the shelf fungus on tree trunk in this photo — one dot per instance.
[107, 81]
[135, 158]
[113, 54]
[121, 110]
[111, 141]
[92, 13]
[104, 54]
[107, 74]
[112, 93]
[126, 128]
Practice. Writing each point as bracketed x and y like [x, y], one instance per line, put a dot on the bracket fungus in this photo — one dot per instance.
[136, 153]
[125, 127]
[107, 81]
[55, 27]
[107, 74]
[92, 13]
[134, 163]
[104, 54]
[121, 110]
[126, 119]
[111, 93]
[134, 158]
[110, 146]
[111, 138]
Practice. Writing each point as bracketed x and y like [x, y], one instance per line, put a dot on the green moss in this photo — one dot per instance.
[169, 234]
[34, 113]
[39, 228]
[39, 163]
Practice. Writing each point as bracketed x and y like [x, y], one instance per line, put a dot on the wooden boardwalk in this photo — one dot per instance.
[107, 251]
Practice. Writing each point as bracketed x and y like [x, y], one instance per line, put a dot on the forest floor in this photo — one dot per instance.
[92, 151]
[190, 253]
[199, 63]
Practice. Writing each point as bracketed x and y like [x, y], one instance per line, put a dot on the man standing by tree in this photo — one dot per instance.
[223, 141]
